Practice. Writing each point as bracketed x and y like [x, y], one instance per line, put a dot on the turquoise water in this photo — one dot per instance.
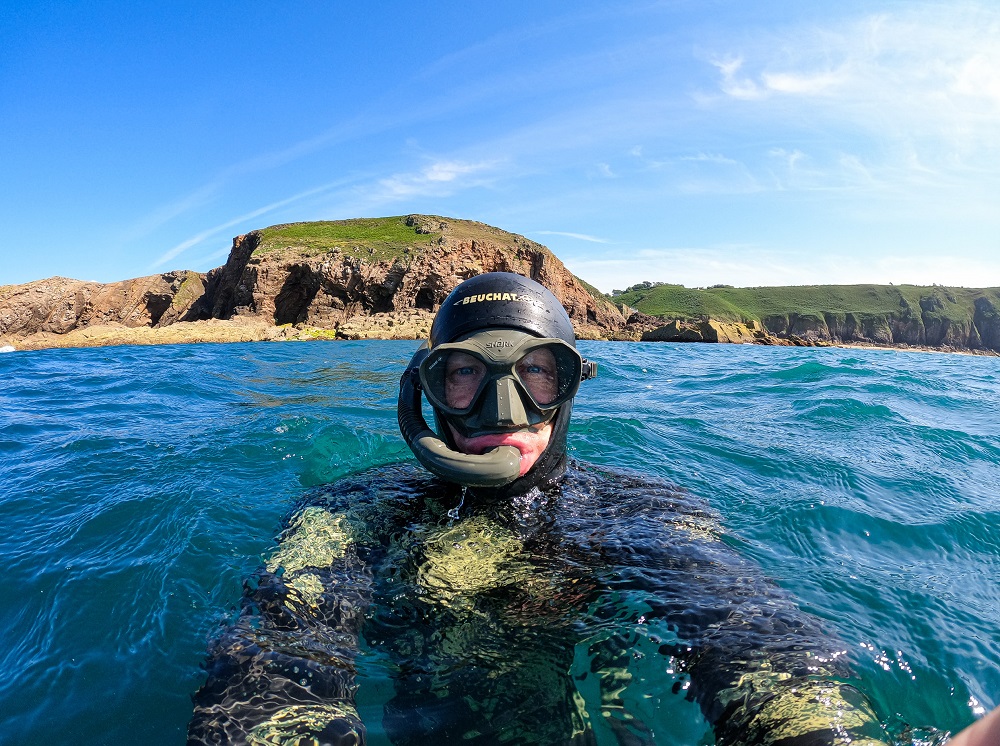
[140, 485]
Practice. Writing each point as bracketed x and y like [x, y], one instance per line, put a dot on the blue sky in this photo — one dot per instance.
[695, 142]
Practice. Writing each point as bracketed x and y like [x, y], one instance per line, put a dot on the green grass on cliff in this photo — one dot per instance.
[677, 301]
[756, 304]
[371, 239]
[590, 288]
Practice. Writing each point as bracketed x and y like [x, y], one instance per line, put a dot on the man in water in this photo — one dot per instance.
[517, 597]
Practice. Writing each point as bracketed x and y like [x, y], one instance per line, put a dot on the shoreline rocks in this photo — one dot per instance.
[295, 282]
[288, 290]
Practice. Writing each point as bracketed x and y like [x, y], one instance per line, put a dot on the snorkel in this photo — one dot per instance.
[519, 353]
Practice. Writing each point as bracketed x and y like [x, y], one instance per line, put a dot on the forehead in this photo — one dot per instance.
[541, 355]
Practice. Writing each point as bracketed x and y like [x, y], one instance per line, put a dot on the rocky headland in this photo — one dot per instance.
[354, 279]
[384, 278]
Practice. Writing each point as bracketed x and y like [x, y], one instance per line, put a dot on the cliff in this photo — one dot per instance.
[947, 318]
[379, 278]
[385, 278]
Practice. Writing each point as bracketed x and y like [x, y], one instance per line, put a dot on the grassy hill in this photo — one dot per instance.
[756, 304]
[886, 314]
[363, 238]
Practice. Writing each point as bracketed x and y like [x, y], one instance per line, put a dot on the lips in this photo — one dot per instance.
[529, 443]
[482, 443]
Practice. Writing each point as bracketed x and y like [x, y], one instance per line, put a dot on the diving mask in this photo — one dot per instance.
[502, 379]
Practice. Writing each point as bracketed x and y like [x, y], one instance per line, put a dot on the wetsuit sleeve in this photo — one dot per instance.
[763, 671]
[285, 668]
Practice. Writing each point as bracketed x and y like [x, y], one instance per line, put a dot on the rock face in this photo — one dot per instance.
[385, 278]
[977, 328]
[709, 330]
[945, 318]
[350, 291]
[59, 305]
[335, 289]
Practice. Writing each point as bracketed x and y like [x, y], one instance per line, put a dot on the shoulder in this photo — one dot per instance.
[627, 502]
[378, 498]
[402, 480]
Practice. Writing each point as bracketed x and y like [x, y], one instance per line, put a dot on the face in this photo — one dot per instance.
[464, 374]
[537, 372]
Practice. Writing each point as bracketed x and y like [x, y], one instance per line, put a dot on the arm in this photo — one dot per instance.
[985, 732]
[285, 668]
[762, 670]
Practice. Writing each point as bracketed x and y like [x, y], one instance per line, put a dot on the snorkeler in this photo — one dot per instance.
[500, 371]
[508, 599]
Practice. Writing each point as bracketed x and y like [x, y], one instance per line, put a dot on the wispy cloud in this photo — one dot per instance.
[435, 179]
[163, 214]
[928, 71]
[577, 236]
[204, 235]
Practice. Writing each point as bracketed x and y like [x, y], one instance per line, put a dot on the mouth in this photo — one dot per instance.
[480, 444]
[529, 442]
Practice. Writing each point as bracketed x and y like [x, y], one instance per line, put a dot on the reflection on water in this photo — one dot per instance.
[139, 488]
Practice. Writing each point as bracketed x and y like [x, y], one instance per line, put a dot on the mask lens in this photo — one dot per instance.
[463, 377]
[539, 375]
[550, 374]
[454, 379]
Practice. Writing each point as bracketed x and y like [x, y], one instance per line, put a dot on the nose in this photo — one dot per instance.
[502, 406]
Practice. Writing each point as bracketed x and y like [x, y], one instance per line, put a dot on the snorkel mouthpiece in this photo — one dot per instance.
[495, 468]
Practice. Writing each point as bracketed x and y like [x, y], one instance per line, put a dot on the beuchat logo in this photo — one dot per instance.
[494, 296]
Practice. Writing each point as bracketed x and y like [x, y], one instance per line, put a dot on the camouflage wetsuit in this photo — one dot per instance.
[479, 614]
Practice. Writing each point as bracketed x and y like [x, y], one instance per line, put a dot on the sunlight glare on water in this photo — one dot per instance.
[139, 486]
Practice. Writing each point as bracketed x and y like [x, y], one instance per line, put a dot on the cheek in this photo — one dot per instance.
[537, 446]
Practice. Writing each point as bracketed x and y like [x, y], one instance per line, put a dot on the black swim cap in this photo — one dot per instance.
[501, 300]
[481, 305]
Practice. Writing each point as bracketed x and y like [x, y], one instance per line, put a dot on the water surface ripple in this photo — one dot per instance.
[140, 485]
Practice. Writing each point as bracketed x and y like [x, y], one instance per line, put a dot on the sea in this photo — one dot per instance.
[140, 486]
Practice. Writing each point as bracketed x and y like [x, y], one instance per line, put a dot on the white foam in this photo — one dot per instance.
[7, 348]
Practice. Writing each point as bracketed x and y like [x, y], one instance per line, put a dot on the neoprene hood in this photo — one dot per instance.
[488, 331]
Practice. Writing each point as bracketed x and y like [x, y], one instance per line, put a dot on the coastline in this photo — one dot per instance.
[393, 326]
[915, 348]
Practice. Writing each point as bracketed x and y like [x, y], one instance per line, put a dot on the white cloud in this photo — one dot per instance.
[692, 267]
[711, 158]
[797, 83]
[979, 77]
[437, 179]
[791, 158]
[737, 87]
[930, 72]
[752, 266]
